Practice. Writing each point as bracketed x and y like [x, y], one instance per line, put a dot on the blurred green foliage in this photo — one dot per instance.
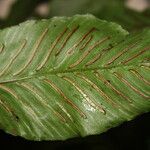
[110, 10]
[20, 11]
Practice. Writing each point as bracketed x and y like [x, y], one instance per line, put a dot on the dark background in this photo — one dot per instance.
[133, 135]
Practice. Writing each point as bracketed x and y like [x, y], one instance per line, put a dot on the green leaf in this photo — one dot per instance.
[110, 10]
[68, 77]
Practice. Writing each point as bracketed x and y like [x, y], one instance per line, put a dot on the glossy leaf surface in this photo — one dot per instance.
[68, 77]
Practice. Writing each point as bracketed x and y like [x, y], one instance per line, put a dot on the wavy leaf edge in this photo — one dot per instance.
[96, 86]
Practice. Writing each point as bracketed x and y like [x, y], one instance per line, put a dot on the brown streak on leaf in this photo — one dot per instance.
[136, 55]
[130, 85]
[34, 50]
[66, 40]
[65, 98]
[87, 98]
[50, 50]
[112, 87]
[86, 53]
[139, 76]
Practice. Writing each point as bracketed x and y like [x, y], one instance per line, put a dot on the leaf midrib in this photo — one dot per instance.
[56, 72]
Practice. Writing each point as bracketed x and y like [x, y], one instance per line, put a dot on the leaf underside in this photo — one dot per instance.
[68, 77]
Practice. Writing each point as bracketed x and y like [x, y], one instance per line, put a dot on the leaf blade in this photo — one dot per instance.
[48, 92]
